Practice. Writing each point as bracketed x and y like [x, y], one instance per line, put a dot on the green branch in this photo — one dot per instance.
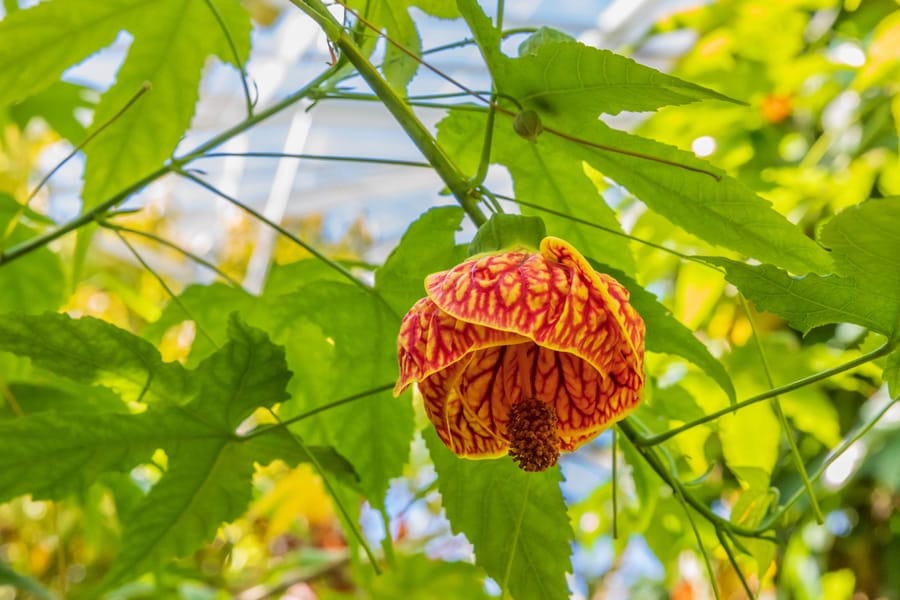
[263, 219]
[782, 420]
[451, 175]
[101, 209]
[784, 389]
[649, 455]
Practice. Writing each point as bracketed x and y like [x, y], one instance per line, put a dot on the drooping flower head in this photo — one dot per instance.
[523, 352]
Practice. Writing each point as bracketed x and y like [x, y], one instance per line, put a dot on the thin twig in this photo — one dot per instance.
[652, 440]
[782, 420]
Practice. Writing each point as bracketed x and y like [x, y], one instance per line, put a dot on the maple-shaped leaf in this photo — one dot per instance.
[393, 17]
[516, 521]
[341, 341]
[557, 76]
[208, 479]
[812, 300]
[92, 351]
[172, 40]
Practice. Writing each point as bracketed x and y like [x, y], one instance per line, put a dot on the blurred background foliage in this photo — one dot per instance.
[820, 134]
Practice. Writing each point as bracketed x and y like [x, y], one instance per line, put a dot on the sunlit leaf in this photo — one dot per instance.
[750, 439]
[57, 105]
[356, 331]
[429, 580]
[723, 212]
[172, 41]
[667, 334]
[427, 246]
[892, 373]
[750, 509]
[556, 77]
[33, 37]
[811, 300]
[543, 175]
[865, 244]
[517, 521]
[393, 16]
[89, 350]
[35, 282]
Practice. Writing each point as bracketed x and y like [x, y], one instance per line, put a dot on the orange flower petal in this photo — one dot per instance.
[554, 298]
[500, 328]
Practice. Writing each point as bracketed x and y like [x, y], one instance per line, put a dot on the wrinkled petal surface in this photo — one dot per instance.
[499, 328]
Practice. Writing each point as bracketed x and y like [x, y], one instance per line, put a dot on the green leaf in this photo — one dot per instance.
[51, 455]
[61, 397]
[88, 350]
[207, 483]
[438, 8]
[247, 373]
[667, 334]
[811, 300]
[351, 348]
[393, 17]
[542, 37]
[503, 232]
[865, 244]
[416, 576]
[208, 479]
[57, 105]
[892, 373]
[52, 36]
[288, 277]
[750, 439]
[542, 175]
[172, 41]
[750, 509]
[427, 246]
[517, 521]
[568, 77]
[722, 212]
[24, 583]
[35, 282]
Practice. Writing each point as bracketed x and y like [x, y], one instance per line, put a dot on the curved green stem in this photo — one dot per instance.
[782, 420]
[164, 242]
[263, 219]
[627, 427]
[328, 157]
[234, 54]
[91, 215]
[284, 423]
[774, 392]
[770, 520]
[421, 137]
[351, 525]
